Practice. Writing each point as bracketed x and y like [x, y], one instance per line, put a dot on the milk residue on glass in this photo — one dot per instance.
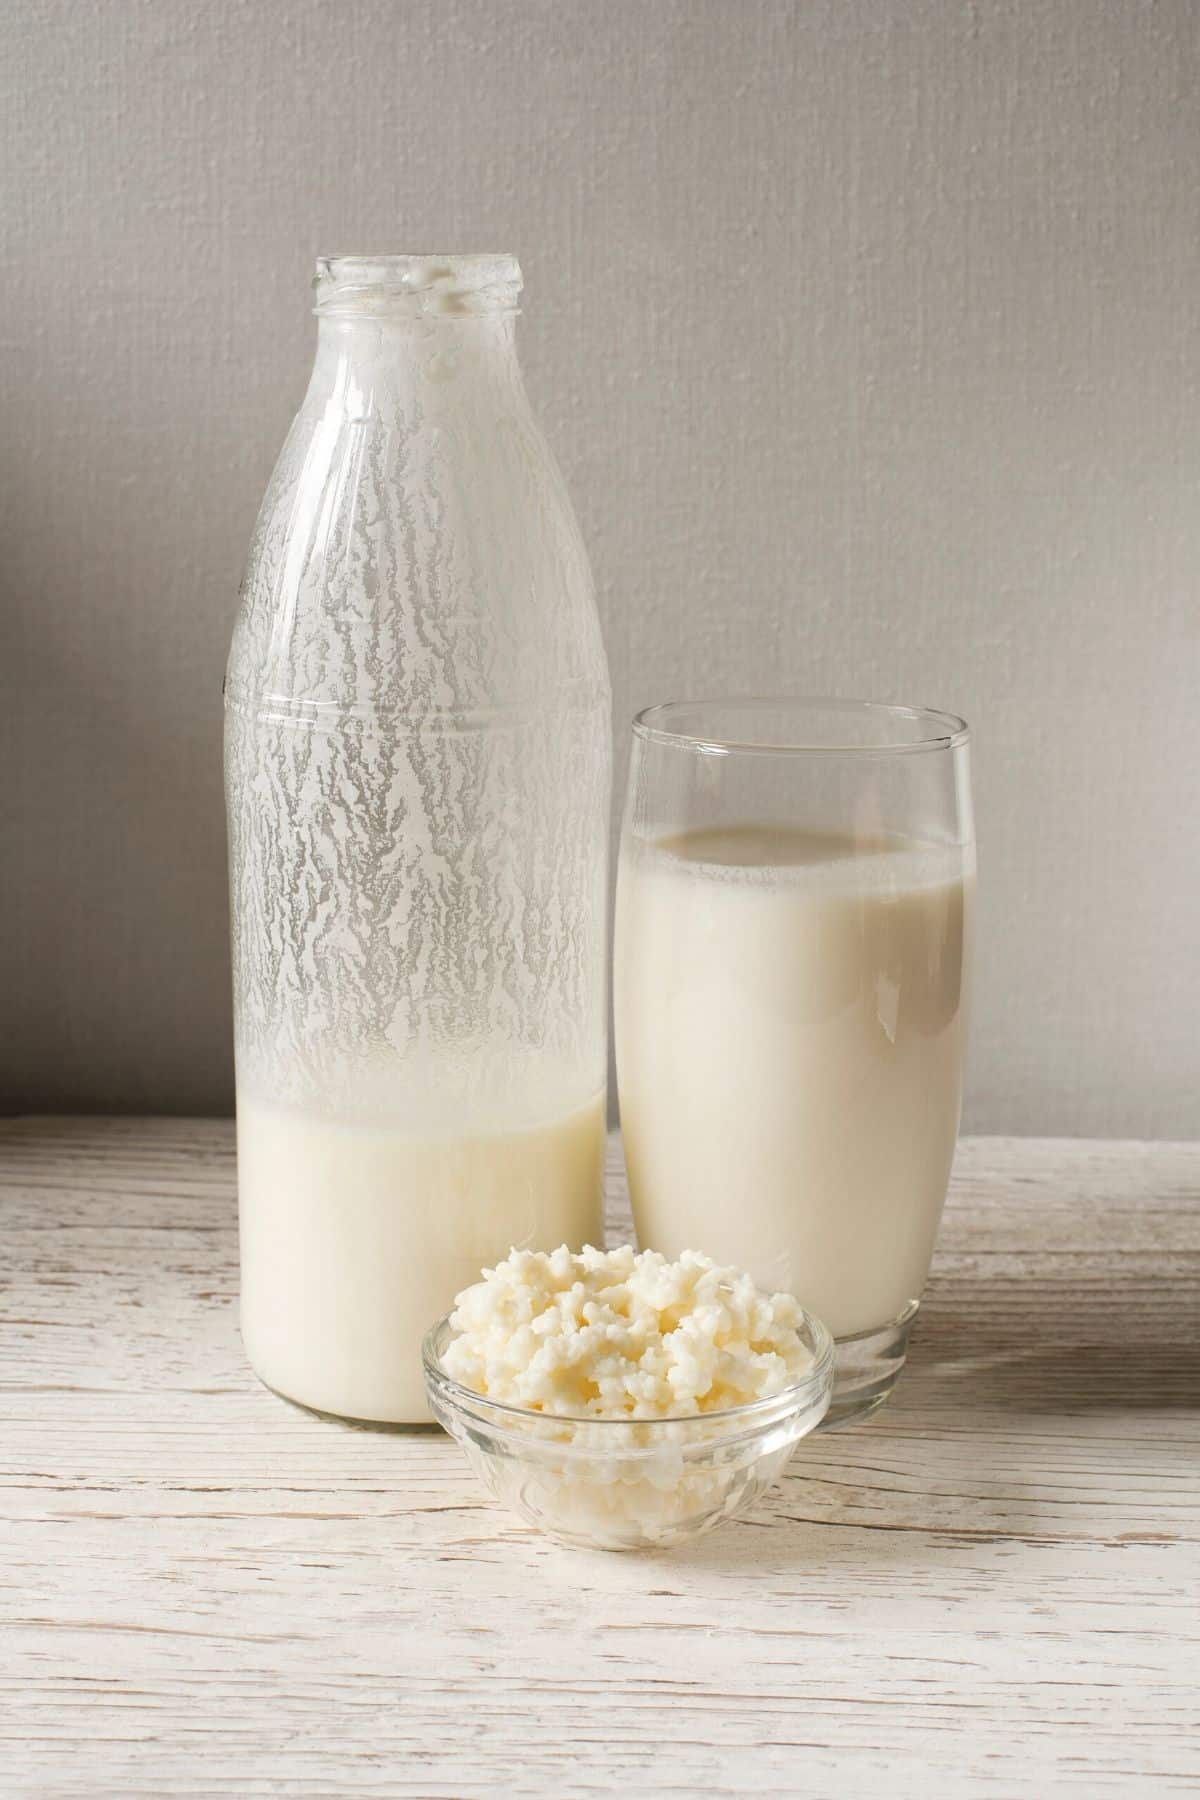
[417, 777]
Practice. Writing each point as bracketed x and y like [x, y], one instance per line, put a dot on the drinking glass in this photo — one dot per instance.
[793, 940]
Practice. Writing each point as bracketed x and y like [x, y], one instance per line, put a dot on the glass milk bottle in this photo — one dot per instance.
[418, 759]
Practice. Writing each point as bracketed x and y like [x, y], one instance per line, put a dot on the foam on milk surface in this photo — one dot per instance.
[790, 1021]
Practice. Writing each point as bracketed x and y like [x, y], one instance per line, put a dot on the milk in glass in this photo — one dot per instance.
[790, 1022]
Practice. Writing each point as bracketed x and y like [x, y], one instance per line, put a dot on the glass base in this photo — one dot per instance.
[865, 1370]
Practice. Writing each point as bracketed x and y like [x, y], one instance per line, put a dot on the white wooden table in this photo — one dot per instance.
[992, 1588]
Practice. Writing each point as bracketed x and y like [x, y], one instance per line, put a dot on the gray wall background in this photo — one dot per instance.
[866, 333]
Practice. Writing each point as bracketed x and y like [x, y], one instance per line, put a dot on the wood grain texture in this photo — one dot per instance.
[991, 1589]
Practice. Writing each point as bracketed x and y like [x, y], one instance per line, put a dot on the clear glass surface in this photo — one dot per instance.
[795, 908]
[418, 757]
[625, 1484]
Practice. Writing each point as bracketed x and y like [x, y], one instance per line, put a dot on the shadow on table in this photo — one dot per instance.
[1054, 1375]
[970, 1455]
[1123, 1342]
[1004, 1372]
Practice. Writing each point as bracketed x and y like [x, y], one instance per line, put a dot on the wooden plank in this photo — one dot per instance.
[991, 1589]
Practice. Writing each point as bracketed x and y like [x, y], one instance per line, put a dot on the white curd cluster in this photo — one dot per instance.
[621, 1335]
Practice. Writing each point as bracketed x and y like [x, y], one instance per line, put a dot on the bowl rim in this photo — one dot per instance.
[817, 1383]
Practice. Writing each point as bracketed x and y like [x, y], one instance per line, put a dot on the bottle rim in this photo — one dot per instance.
[417, 285]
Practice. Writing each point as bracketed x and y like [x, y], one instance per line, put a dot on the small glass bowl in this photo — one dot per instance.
[629, 1484]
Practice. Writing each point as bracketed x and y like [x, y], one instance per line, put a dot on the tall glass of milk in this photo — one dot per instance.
[793, 938]
[417, 777]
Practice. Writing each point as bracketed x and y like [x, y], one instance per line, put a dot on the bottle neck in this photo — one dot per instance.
[377, 365]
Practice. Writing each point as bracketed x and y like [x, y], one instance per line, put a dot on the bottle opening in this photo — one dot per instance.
[417, 286]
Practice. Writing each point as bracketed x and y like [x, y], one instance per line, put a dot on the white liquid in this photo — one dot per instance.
[355, 1238]
[790, 1026]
